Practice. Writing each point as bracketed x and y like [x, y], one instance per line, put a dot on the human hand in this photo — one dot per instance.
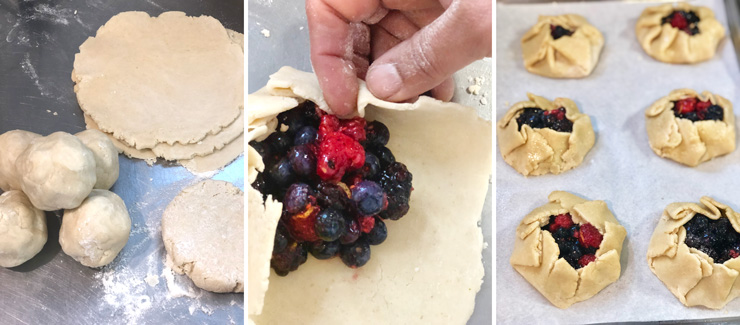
[402, 48]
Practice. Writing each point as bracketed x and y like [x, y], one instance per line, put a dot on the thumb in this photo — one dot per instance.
[461, 35]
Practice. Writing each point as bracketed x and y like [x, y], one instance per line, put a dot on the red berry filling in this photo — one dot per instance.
[577, 243]
[686, 21]
[694, 110]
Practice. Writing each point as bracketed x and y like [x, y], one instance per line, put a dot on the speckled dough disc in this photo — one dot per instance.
[203, 233]
[167, 79]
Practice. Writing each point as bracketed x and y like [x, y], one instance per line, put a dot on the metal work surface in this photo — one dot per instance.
[278, 36]
[38, 41]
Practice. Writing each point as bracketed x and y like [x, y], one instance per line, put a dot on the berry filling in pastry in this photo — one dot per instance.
[558, 31]
[578, 243]
[337, 182]
[694, 110]
[716, 238]
[538, 118]
[684, 20]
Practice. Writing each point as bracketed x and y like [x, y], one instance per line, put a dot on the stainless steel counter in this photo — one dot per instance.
[38, 41]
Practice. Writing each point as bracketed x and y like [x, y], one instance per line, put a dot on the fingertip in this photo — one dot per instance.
[445, 90]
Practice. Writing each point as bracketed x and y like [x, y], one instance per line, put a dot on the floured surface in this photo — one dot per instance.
[138, 87]
[203, 232]
[621, 169]
[429, 269]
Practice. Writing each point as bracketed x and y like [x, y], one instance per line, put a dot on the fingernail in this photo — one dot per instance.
[383, 80]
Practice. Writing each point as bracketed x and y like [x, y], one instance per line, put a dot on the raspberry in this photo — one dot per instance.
[734, 253]
[585, 259]
[329, 124]
[685, 105]
[679, 21]
[590, 236]
[561, 221]
[354, 128]
[337, 154]
[366, 223]
[301, 225]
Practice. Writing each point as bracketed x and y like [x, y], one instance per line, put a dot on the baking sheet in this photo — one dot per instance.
[278, 36]
[621, 169]
[38, 40]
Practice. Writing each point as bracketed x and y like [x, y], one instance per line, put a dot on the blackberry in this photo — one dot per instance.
[714, 112]
[289, 260]
[571, 252]
[296, 198]
[563, 125]
[538, 119]
[563, 234]
[369, 197]
[558, 31]
[716, 238]
[574, 241]
[329, 224]
[331, 195]
[281, 172]
[302, 160]
[377, 134]
[378, 234]
[531, 116]
[398, 206]
[281, 239]
[355, 255]
[305, 135]
[351, 232]
[396, 180]
[323, 250]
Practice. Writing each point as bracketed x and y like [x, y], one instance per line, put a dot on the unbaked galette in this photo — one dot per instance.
[569, 248]
[691, 128]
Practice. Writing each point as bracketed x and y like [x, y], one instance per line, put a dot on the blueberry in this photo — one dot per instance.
[562, 233]
[262, 148]
[329, 225]
[325, 250]
[691, 17]
[371, 168]
[332, 195]
[305, 135]
[714, 112]
[279, 142]
[351, 232]
[356, 254]
[289, 260]
[384, 155]
[296, 198]
[377, 235]
[281, 240]
[559, 31]
[531, 116]
[368, 196]
[302, 160]
[281, 172]
[377, 133]
[691, 116]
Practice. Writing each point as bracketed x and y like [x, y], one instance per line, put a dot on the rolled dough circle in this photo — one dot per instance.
[96, 231]
[106, 157]
[22, 229]
[203, 233]
[56, 171]
[12, 144]
[141, 75]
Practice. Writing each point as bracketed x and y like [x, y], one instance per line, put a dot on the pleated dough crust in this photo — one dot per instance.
[535, 254]
[429, 269]
[573, 56]
[690, 274]
[684, 141]
[540, 151]
[669, 44]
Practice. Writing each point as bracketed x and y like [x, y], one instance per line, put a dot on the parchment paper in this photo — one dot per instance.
[621, 169]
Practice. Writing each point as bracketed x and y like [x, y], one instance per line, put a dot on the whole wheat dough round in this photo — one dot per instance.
[22, 229]
[203, 233]
[106, 157]
[56, 171]
[171, 79]
[96, 231]
[12, 144]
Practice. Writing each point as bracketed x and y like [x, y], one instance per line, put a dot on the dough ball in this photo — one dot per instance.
[106, 157]
[96, 231]
[57, 171]
[12, 144]
[22, 229]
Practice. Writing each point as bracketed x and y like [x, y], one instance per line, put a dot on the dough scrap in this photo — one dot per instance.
[263, 220]
[684, 141]
[203, 233]
[573, 56]
[216, 160]
[668, 44]
[140, 75]
[535, 254]
[96, 231]
[700, 282]
[540, 151]
[429, 269]
[22, 229]
[12, 144]
[106, 157]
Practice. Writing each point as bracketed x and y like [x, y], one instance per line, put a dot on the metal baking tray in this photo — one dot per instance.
[38, 41]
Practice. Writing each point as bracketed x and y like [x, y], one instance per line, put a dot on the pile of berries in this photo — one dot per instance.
[538, 118]
[716, 238]
[694, 110]
[337, 181]
[684, 20]
[578, 243]
[557, 31]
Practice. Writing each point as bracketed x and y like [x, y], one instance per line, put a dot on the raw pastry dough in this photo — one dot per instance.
[96, 231]
[12, 144]
[57, 171]
[669, 44]
[684, 141]
[540, 151]
[429, 269]
[172, 78]
[22, 229]
[203, 233]
[690, 274]
[573, 56]
[106, 157]
[535, 254]
[263, 220]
